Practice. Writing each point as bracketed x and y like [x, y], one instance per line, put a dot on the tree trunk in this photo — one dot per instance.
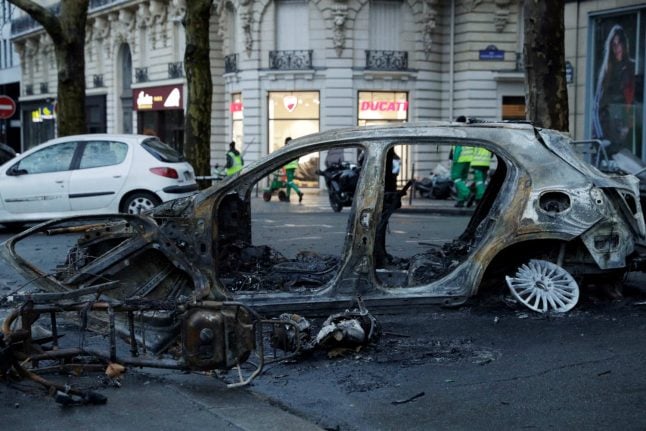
[70, 61]
[197, 137]
[67, 31]
[544, 52]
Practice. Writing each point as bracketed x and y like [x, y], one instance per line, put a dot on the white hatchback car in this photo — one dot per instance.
[92, 174]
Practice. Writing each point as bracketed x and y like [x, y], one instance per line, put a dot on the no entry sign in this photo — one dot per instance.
[7, 107]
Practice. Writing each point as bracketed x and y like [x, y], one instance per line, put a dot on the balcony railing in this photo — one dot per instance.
[386, 60]
[290, 60]
[141, 74]
[231, 63]
[175, 70]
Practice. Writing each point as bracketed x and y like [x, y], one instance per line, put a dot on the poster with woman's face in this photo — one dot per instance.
[613, 110]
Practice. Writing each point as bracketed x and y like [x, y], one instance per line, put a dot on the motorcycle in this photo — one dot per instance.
[341, 181]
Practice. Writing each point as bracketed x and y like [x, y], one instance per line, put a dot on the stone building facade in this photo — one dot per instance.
[293, 67]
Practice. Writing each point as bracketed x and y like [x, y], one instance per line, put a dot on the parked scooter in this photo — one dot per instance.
[341, 181]
[435, 187]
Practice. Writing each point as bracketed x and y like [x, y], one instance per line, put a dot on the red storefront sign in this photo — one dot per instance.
[385, 106]
[158, 98]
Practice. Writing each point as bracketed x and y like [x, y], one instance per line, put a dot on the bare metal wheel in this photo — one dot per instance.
[139, 202]
[544, 286]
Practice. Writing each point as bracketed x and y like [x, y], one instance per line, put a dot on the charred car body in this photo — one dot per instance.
[546, 222]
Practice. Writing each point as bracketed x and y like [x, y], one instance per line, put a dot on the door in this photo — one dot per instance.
[38, 184]
[101, 173]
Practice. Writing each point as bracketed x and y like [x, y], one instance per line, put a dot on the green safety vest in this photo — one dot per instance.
[481, 157]
[237, 163]
[292, 165]
[466, 154]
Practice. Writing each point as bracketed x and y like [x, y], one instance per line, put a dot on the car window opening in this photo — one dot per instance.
[308, 254]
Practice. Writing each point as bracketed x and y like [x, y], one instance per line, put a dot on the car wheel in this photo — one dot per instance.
[139, 202]
[266, 196]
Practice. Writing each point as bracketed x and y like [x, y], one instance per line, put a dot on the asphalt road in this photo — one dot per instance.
[490, 364]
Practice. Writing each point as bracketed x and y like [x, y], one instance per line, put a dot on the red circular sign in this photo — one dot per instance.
[7, 107]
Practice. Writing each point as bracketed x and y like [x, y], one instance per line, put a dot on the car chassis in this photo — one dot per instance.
[546, 214]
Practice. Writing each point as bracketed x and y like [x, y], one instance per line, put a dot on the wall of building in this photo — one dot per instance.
[447, 42]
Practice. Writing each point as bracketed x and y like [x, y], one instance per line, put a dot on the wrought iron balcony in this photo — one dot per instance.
[175, 70]
[29, 89]
[290, 60]
[386, 60]
[97, 80]
[141, 74]
[231, 63]
[44, 88]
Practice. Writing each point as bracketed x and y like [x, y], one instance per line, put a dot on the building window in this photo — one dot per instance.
[295, 114]
[513, 108]
[292, 25]
[385, 24]
[616, 112]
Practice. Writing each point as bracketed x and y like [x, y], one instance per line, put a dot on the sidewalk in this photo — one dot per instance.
[318, 201]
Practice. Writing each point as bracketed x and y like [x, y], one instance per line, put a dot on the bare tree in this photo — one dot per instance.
[197, 138]
[544, 53]
[67, 30]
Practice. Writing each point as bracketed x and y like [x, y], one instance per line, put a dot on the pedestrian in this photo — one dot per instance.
[234, 159]
[480, 165]
[290, 170]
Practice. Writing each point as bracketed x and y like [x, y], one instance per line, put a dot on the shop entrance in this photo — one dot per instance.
[295, 114]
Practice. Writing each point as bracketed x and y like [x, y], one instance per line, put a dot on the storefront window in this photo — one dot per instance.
[617, 104]
[377, 107]
[160, 113]
[295, 114]
[513, 108]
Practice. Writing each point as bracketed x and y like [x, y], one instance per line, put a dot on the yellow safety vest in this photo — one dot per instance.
[466, 154]
[237, 163]
[481, 157]
[292, 165]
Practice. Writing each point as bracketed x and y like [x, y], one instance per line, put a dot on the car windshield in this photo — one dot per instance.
[161, 151]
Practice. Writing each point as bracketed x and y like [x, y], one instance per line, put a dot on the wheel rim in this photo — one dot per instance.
[543, 286]
[140, 204]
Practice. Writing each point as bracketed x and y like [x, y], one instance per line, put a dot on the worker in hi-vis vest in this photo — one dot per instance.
[234, 159]
[290, 170]
[480, 165]
[462, 157]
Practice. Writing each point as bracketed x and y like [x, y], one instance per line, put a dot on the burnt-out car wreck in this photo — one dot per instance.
[188, 278]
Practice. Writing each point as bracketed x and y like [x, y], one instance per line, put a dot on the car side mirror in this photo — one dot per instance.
[15, 171]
